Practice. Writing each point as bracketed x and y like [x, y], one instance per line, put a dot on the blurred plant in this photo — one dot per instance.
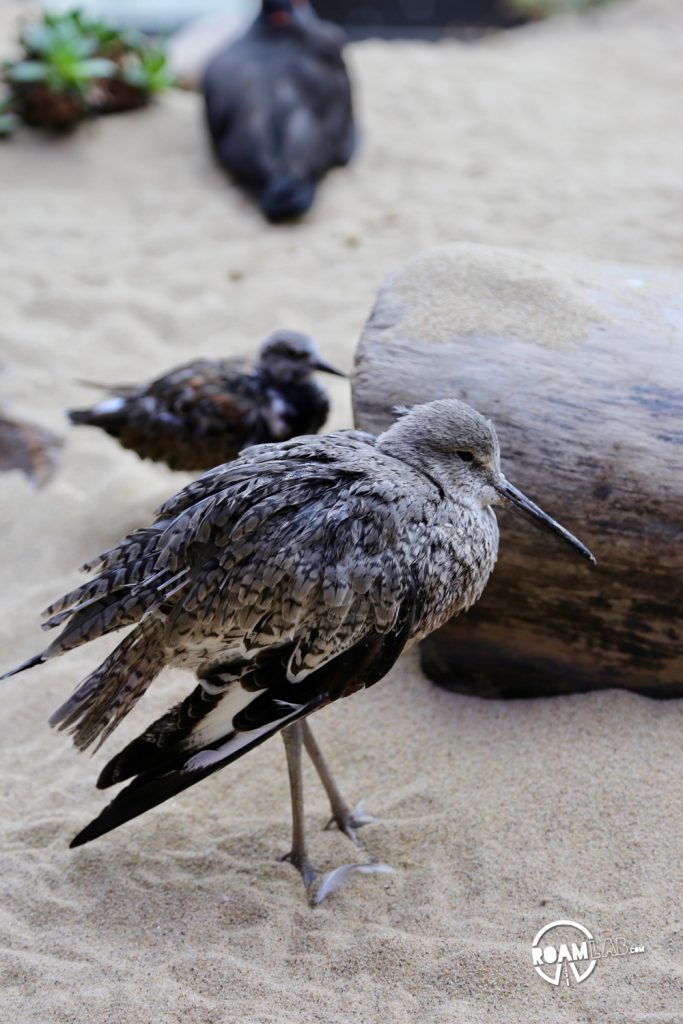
[74, 66]
[8, 118]
[149, 72]
[537, 9]
[62, 57]
[142, 73]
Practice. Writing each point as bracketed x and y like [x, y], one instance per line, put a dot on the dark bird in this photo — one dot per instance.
[279, 108]
[204, 413]
[285, 580]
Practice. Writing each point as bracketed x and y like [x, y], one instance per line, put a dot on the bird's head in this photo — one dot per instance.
[286, 12]
[458, 448]
[288, 356]
[277, 12]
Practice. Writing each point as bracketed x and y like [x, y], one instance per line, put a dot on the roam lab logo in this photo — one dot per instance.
[567, 949]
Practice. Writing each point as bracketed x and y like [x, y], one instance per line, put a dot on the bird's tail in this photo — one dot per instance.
[285, 196]
[125, 593]
[81, 416]
[147, 791]
[109, 415]
[106, 696]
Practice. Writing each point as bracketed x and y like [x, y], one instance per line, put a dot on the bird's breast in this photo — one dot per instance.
[277, 413]
[456, 564]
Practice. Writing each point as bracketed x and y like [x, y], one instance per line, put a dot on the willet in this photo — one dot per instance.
[286, 580]
[204, 413]
[278, 106]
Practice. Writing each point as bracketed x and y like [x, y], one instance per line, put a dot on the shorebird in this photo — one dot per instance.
[203, 413]
[279, 108]
[285, 580]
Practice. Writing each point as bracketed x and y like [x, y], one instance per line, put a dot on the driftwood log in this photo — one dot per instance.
[580, 366]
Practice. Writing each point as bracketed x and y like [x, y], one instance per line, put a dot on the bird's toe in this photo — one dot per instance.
[334, 880]
[303, 866]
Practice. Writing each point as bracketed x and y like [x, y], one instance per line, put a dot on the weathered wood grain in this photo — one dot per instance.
[580, 366]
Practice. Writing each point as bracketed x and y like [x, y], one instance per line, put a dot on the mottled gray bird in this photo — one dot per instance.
[203, 413]
[279, 108]
[285, 580]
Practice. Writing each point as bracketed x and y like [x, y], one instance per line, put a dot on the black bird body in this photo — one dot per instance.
[279, 108]
[203, 413]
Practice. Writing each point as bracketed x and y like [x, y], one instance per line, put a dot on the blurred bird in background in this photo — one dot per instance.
[279, 107]
[203, 413]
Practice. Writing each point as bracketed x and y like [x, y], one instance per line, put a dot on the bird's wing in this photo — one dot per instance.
[280, 107]
[293, 546]
[218, 389]
[320, 127]
[300, 543]
[197, 415]
[237, 90]
[299, 454]
[168, 382]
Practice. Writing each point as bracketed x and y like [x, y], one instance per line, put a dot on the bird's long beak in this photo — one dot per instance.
[520, 501]
[324, 367]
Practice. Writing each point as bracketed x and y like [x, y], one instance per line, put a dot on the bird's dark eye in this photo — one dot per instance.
[465, 456]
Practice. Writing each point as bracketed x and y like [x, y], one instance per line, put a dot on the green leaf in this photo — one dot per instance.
[29, 71]
[150, 72]
[98, 67]
[75, 49]
[37, 38]
[133, 40]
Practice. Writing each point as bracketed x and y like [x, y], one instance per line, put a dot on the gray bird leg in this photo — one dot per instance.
[292, 736]
[346, 820]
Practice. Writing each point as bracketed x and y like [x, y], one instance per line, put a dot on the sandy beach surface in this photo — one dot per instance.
[125, 251]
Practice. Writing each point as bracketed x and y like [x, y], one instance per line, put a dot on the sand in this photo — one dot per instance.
[124, 251]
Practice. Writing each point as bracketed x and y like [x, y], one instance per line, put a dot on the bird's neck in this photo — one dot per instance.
[392, 442]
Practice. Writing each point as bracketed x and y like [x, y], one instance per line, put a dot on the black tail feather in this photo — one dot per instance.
[140, 751]
[160, 747]
[111, 421]
[82, 416]
[151, 789]
[136, 799]
[38, 659]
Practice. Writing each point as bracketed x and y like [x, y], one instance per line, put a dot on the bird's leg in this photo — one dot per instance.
[292, 736]
[346, 820]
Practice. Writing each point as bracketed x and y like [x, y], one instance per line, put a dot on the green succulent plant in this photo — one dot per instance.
[60, 56]
[149, 72]
[74, 65]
